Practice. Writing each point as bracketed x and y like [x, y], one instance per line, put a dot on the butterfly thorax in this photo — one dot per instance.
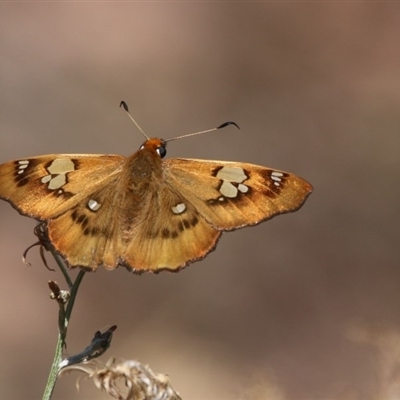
[144, 167]
[141, 177]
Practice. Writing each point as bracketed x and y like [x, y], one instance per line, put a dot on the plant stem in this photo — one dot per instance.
[65, 315]
[52, 379]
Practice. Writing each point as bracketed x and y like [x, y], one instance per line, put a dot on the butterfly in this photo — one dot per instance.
[144, 212]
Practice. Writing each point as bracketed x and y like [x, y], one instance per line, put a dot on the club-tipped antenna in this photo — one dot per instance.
[206, 131]
[125, 107]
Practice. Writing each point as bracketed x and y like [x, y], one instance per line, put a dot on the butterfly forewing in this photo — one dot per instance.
[231, 195]
[46, 186]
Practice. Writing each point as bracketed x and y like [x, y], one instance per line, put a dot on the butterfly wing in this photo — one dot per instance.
[231, 195]
[169, 233]
[65, 191]
[46, 186]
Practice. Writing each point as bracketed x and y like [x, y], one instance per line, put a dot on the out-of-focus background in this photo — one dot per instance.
[305, 306]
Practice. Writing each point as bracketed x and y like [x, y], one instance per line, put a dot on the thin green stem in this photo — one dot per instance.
[65, 315]
[63, 268]
[74, 293]
[52, 379]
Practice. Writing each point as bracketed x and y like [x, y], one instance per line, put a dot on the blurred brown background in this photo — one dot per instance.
[306, 306]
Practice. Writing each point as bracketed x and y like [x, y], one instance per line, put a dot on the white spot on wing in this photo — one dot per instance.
[179, 208]
[228, 190]
[23, 164]
[46, 179]
[276, 173]
[232, 174]
[276, 177]
[243, 188]
[61, 166]
[93, 205]
[58, 170]
[229, 175]
[57, 182]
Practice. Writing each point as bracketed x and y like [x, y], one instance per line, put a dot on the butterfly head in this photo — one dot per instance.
[155, 145]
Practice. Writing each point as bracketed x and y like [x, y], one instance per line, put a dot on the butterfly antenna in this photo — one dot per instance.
[125, 107]
[206, 131]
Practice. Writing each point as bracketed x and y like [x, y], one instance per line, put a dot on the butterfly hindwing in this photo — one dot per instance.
[88, 234]
[169, 234]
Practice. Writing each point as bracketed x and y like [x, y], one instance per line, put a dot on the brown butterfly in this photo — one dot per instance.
[143, 212]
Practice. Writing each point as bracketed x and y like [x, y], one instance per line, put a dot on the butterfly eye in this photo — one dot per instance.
[162, 151]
